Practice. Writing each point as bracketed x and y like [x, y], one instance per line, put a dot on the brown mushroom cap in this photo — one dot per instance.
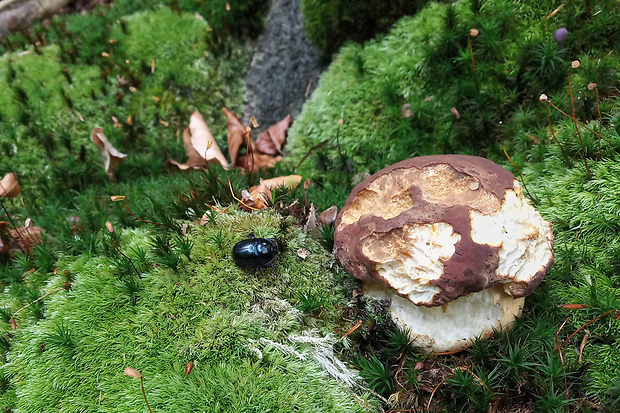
[436, 228]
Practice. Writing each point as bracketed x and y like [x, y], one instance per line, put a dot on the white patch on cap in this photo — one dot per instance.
[523, 237]
[409, 258]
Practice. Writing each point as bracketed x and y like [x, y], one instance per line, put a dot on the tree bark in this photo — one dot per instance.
[16, 15]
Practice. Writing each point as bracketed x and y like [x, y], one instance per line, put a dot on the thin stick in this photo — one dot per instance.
[355, 327]
[471, 50]
[315, 147]
[585, 325]
[552, 131]
[143, 220]
[580, 123]
[428, 405]
[557, 343]
[40, 298]
[121, 252]
[238, 200]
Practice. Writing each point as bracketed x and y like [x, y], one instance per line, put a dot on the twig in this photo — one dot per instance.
[557, 343]
[315, 147]
[238, 200]
[584, 326]
[40, 298]
[355, 327]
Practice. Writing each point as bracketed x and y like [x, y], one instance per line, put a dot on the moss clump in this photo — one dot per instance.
[207, 311]
[51, 106]
[330, 23]
[417, 91]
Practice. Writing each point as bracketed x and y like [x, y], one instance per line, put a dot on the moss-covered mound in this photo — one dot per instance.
[139, 86]
[232, 324]
[419, 90]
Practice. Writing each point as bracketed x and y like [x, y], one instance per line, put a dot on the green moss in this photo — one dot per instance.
[209, 312]
[330, 23]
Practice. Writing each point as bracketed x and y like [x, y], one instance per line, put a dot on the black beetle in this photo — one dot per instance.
[255, 252]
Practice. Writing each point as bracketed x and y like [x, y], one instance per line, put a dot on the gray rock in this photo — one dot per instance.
[285, 67]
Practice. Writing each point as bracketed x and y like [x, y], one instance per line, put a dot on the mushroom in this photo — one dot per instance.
[449, 242]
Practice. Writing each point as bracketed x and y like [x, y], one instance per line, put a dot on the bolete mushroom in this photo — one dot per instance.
[450, 242]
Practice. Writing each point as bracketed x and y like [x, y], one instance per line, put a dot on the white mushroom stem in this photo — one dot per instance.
[453, 326]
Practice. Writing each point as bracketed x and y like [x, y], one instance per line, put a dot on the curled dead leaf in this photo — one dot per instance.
[328, 217]
[257, 155]
[111, 156]
[259, 196]
[200, 145]
[131, 372]
[189, 367]
[257, 161]
[270, 141]
[22, 239]
[303, 253]
[311, 223]
[9, 186]
[238, 136]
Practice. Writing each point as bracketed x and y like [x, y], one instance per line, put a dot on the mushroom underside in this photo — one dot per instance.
[453, 326]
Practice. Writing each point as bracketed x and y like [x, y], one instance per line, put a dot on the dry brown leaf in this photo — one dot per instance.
[328, 216]
[111, 156]
[303, 253]
[24, 239]
[9, 186]
[259, 196]
[189, 367]
[270, 141]
[200, 145]
[257, 161]
[238, 136]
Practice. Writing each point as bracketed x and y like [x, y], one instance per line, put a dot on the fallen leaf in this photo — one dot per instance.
[303, 253]
[238, 136]
[584, 341]
[328, 216]
[9, 186]
[189, 367]
[311, 223]
[131, 372]
[23, 239]
[270, 141]
[257, 161]
[259, 196]
[111, 156]
[200, 145]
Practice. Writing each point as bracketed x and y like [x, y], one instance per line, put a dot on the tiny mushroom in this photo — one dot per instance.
[449, 243]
